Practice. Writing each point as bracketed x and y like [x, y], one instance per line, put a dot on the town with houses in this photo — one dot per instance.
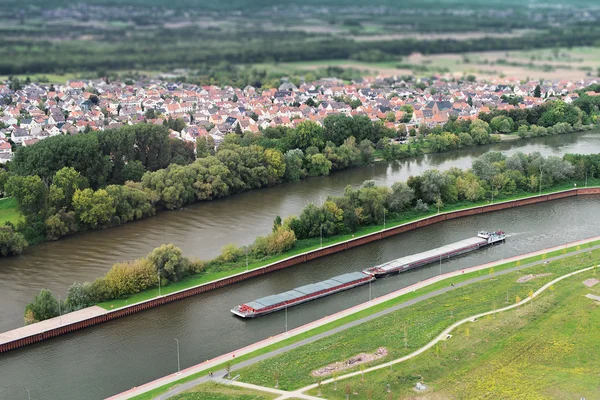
[37, 111]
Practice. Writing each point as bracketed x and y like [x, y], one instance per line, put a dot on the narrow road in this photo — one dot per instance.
[206, 366]
[440, 337]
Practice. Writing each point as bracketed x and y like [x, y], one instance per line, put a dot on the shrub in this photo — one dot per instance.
[44, 306]
[421, 206]
[131, 277]
[169, 262]
[230, 252]
[11, 242]
[277, 242]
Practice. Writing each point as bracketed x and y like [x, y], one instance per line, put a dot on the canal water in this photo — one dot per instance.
[112, 357]
[116, 356]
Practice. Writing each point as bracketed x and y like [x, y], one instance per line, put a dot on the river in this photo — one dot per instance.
[203, 228]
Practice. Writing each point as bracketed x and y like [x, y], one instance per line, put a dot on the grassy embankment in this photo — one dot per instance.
[8, 211]
[383, 306]
[213, 391]
[545, 349]
[422, 322]
[308, 245]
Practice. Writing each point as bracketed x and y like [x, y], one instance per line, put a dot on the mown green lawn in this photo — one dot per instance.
[214, 391]
[8, 211]
[547, 349]
[302, 246]
[419, 324]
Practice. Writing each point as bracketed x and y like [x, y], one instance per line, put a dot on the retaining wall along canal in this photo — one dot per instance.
[28, 335]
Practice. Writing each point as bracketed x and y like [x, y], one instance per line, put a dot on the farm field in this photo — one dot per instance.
[404, 331]
[549, 64]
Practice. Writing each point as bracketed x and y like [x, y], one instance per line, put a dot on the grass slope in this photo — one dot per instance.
[544, 350]
[213, 391]
[8, 211]
[421, 322]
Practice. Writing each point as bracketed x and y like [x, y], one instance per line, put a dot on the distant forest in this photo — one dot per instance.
[59, 36]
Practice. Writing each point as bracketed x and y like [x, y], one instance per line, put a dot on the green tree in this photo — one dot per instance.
[294, 160]
[537, 92]
[169, 262]
[318, 165]
[276, 164]
[64, 185]
[31, 194]
[11, 242]
[94, 208]
[44, 306]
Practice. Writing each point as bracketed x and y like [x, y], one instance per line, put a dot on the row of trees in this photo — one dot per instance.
[70, 203]
[106, 157]
[492, 176]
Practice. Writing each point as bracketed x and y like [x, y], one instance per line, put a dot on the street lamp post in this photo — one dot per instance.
[178, 366]
[28, 394]
[158, 283]
[321, 235]
[384, 218]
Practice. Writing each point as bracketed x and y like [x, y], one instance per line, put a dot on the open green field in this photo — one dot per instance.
[383, 306]
[8, 211]
[559, 64]
[406, 330]
[308, 245]
[546, 349]
[213, 391]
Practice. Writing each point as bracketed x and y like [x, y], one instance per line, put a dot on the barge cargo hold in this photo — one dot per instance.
[301, 294]
[436, 255]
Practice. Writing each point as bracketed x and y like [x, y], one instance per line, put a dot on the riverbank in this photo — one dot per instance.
[309, 246]
[28, 335]
[352, 317]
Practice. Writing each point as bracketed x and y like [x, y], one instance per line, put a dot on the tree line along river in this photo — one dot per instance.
[116, 356]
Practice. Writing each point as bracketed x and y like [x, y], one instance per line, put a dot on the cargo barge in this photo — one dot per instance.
[431, 256]
[301, 294]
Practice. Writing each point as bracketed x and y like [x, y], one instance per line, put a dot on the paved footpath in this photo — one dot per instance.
[208, 365]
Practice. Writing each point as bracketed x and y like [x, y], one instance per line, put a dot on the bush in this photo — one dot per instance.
[421, 206]
[44, 306]
[277, 242]
[131, 277]
[11, 242]
[79, 296]
[169, 262]
[230, 252]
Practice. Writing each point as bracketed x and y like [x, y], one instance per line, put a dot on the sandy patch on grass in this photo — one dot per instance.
[530, 277]
[590, 282]
[351, 362]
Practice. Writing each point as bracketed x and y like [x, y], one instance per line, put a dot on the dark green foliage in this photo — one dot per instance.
[44, 306]
[11, 242]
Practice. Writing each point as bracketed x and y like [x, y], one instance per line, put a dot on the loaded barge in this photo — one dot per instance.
[428, 257]
[336, 284]
[301, 294]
